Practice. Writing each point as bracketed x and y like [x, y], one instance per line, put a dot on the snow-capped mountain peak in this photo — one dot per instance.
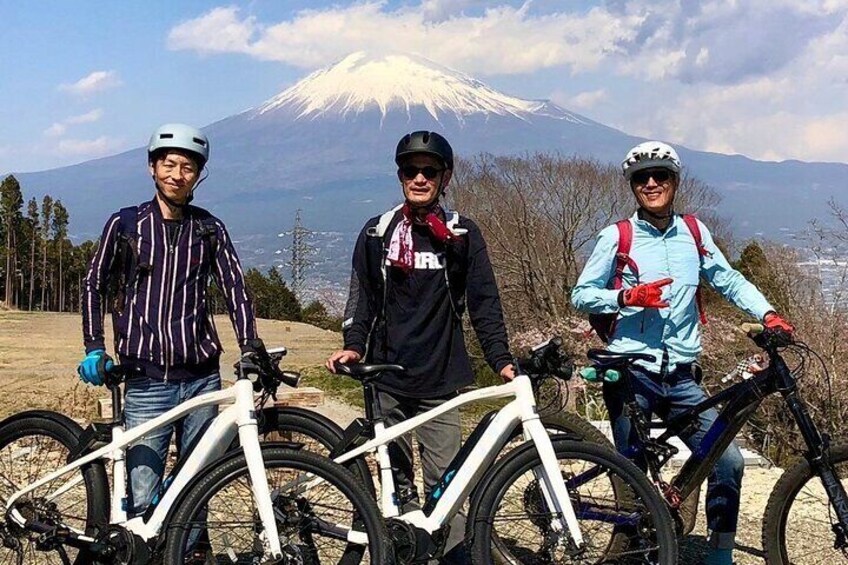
[399, 82]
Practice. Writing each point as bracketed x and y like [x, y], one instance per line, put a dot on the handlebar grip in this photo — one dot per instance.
[752, 328]
[290, 378]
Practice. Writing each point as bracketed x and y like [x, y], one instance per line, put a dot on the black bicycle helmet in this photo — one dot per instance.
[428, 142]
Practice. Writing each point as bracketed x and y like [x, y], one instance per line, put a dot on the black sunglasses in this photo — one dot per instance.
[659, 175]
[411, 171]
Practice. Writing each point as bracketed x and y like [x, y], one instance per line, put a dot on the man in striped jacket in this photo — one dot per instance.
[164, 252]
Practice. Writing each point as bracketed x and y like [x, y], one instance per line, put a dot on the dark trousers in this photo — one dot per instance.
[668, 397]
[438, 442]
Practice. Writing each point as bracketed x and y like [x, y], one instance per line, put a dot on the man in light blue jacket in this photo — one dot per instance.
[654, 301]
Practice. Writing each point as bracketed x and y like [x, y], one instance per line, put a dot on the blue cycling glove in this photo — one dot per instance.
[93, 368]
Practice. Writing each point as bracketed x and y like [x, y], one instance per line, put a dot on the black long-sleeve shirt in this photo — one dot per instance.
[165, 324]
[417, 322]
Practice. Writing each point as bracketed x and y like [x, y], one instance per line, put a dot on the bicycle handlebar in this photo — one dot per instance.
[266, 367]
[768, 339]
[547, 359]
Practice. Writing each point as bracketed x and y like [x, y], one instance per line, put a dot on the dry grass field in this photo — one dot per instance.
[39, 353]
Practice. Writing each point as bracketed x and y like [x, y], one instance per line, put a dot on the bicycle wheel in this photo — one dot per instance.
[317, 434]
[798, 521]
[217, 522]
[33, 445]
[509, 521]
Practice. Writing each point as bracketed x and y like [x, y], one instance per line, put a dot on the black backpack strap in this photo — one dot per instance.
[124, 268]
[125, 263]
[208, 230]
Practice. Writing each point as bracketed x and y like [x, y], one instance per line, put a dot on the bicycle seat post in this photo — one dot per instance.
[373, 410]
[117, 408]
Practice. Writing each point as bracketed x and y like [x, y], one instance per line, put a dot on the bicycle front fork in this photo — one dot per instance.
[818, 456]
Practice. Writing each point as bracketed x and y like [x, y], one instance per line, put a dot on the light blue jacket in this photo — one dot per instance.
[658, 255]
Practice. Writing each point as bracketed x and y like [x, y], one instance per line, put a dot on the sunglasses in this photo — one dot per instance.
[411, 171]
[659, 175]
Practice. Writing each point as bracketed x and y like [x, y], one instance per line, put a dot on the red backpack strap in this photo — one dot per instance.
[622, 254]
[695, 230]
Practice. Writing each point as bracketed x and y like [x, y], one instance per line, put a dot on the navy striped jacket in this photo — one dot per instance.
[165, 322]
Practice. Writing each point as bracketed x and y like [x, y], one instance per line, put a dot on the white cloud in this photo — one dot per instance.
[97, 81]
[502, 40]
[765, 78]
[58, 129]
[588, 99]
[89, 148]
[86, 118]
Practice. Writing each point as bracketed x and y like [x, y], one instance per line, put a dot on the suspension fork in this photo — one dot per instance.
[818, 449]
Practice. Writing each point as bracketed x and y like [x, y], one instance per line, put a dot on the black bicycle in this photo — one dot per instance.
[806, 519]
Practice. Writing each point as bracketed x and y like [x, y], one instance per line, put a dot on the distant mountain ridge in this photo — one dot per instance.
[325, 145]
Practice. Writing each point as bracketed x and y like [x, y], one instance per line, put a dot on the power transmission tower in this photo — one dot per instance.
[301, 250]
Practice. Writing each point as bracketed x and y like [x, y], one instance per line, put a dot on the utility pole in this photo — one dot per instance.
[300, 253]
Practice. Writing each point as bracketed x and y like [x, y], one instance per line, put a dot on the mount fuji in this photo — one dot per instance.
[325, 146]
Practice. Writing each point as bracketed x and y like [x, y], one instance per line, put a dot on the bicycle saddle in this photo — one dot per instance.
[606, 357]
[365, 371]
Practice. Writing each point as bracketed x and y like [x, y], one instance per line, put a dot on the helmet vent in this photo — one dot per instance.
[201, 142]
[166, 136]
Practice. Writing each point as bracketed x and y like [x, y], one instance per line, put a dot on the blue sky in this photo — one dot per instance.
[764, 78]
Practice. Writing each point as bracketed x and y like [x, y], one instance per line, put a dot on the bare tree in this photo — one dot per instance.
[540, 214]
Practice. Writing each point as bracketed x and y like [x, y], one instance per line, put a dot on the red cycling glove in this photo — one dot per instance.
[645, 295]
[773, 321]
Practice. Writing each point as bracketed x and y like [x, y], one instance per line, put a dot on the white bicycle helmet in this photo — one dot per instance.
[180, 136]
[650, 155]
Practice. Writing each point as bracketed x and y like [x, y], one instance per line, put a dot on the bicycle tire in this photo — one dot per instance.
[785, 500]
[200, 506]
[570, 423]
[33, 445]
[655, 526]
[316, 433]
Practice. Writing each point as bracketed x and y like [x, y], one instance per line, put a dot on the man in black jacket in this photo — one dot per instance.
[415, 268]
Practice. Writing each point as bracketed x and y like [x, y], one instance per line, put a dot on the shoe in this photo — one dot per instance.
[688, 511]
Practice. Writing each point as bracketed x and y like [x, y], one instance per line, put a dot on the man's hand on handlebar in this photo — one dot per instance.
[773, 321]
[508, 373]
[92, 370]
[343, 356]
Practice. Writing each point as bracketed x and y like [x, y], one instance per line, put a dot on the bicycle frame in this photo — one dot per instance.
[741, 400]
[239, 418]
[520, 410]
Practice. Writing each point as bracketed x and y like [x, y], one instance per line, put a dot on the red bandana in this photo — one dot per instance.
[401, 252]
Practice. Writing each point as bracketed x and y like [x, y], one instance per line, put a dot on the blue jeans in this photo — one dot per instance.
[145, 399]
[667, 398]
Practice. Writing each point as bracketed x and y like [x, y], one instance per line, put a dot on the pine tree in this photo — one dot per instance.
[11, 201]
[32, 226]
[46, 217]
[60, 232]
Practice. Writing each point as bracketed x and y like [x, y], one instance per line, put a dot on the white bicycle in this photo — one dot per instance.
[225, 502]
[537, 504]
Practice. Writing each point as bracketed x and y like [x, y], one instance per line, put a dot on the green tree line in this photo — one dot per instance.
[41, 269]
